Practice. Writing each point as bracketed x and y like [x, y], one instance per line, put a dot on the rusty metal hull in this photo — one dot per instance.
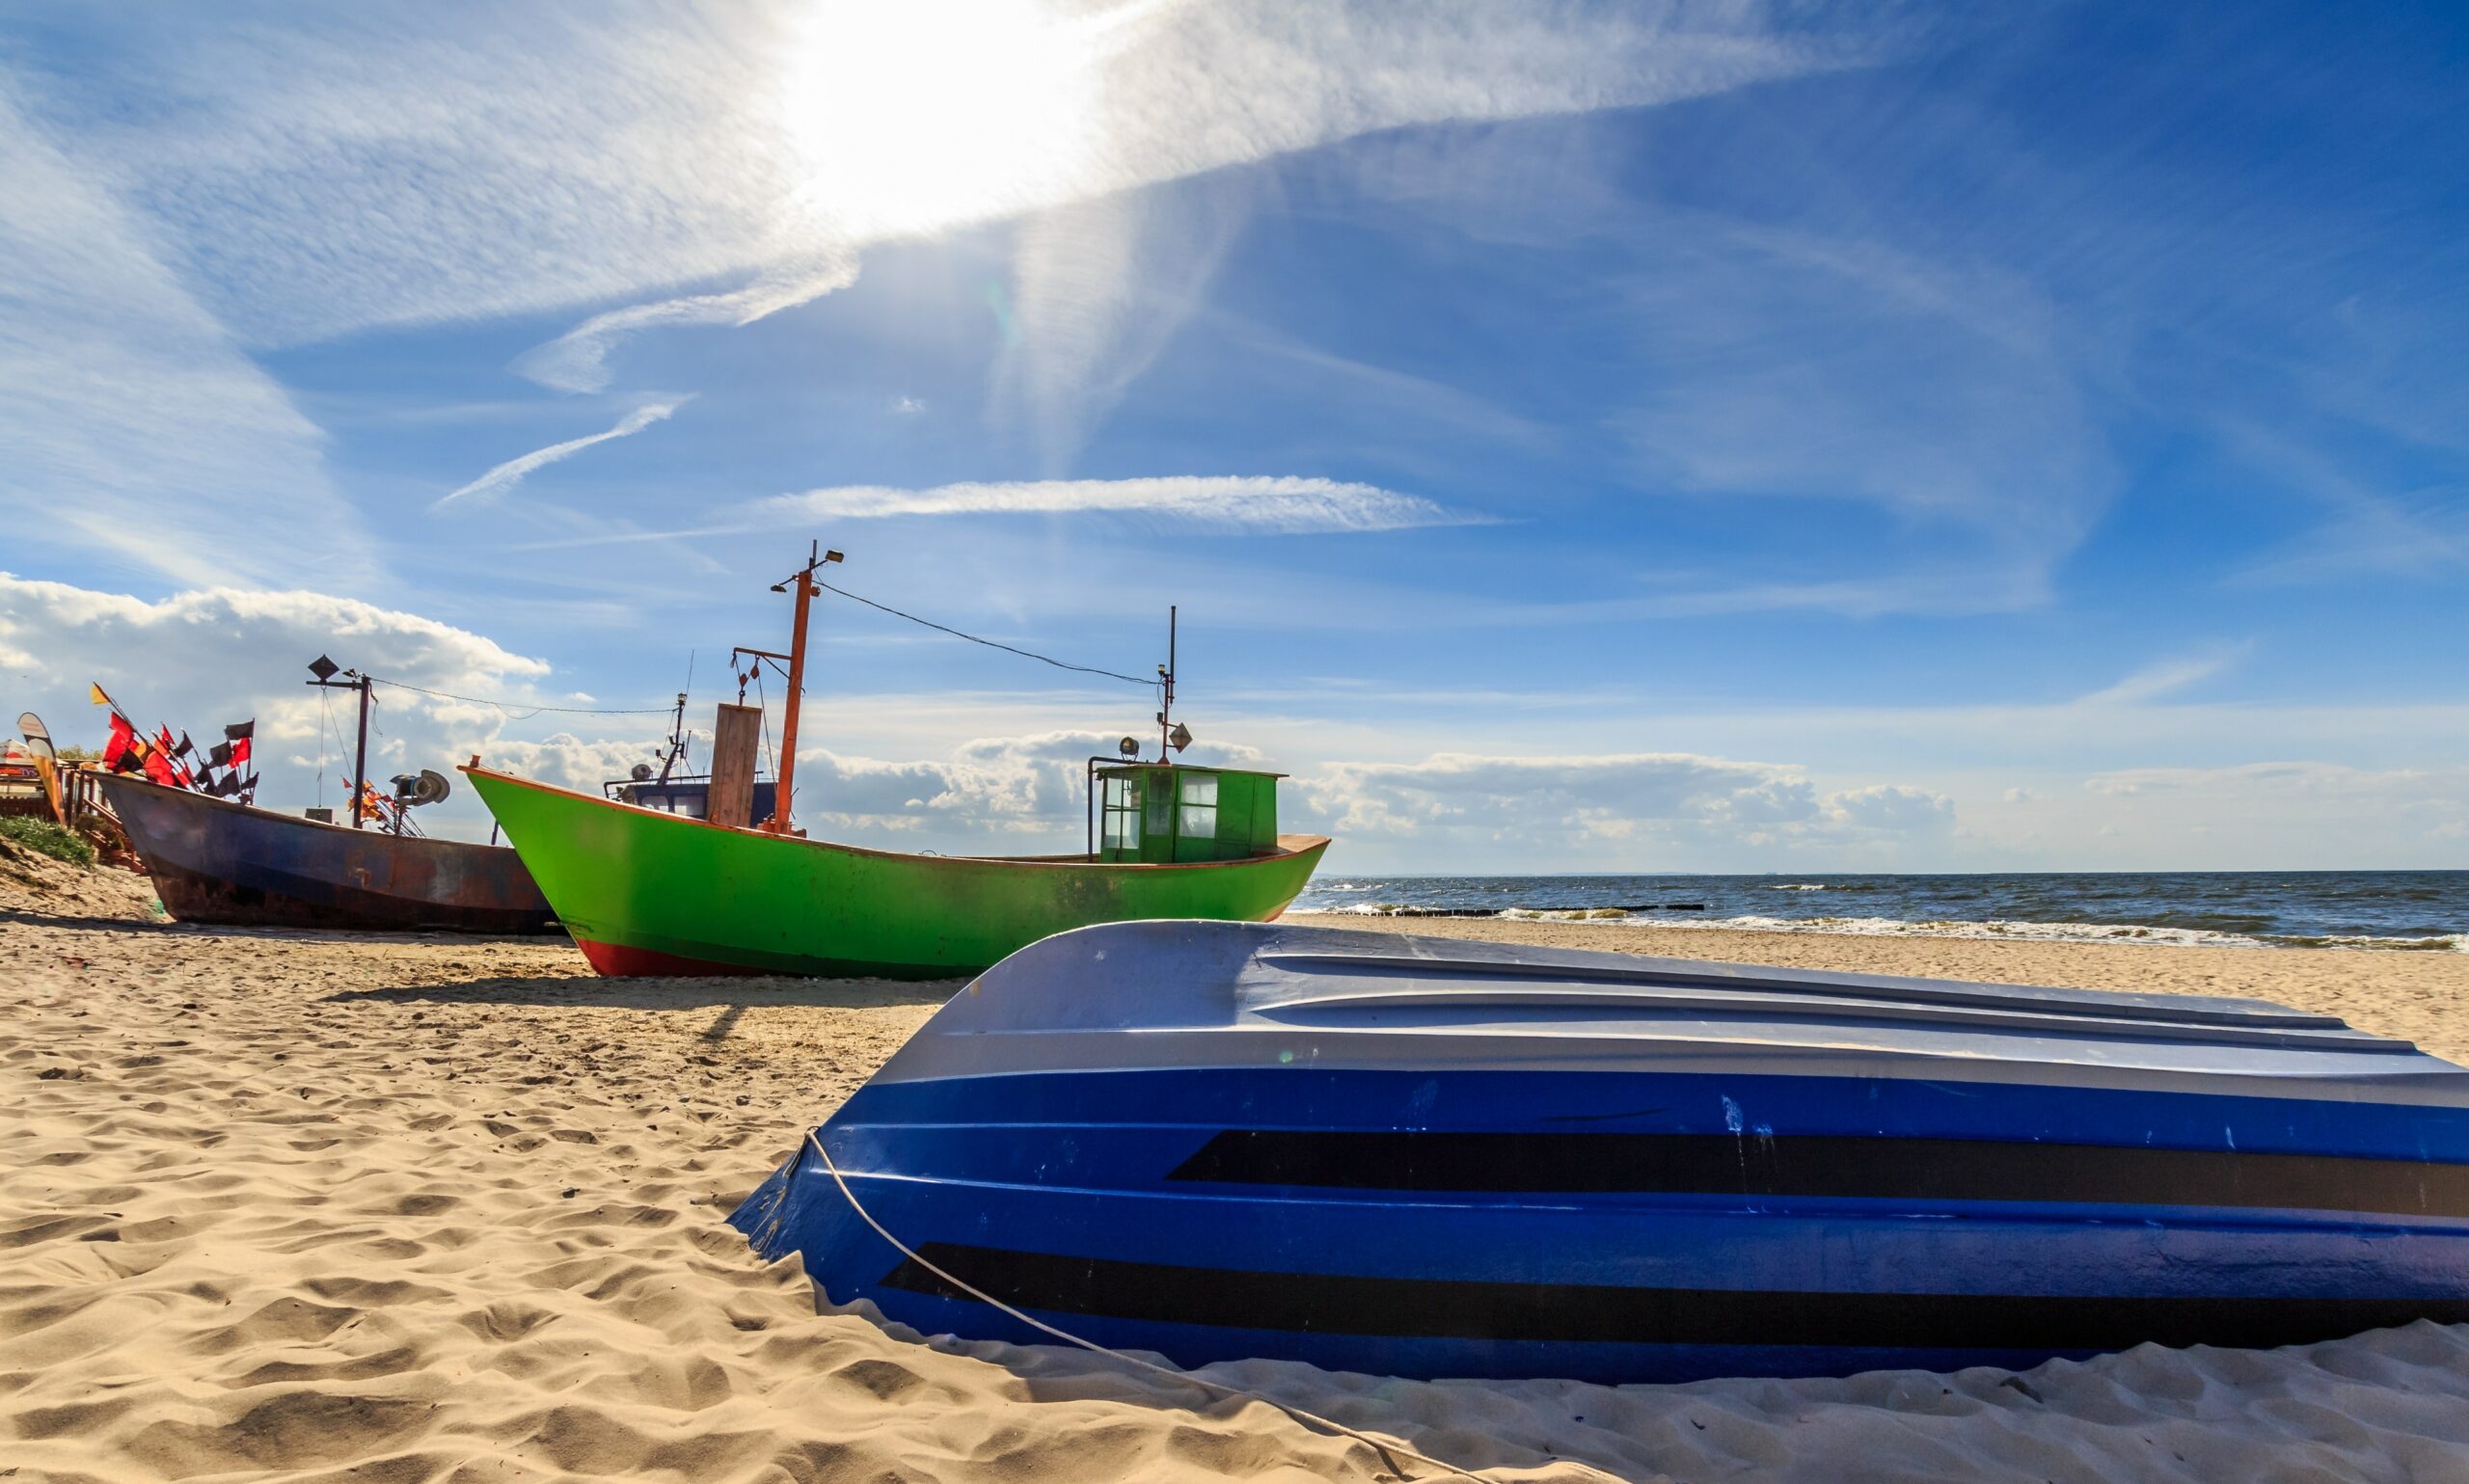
[215, 861]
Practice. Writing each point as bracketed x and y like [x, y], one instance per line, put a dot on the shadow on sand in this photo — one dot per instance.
[26, 919]
[734, 995]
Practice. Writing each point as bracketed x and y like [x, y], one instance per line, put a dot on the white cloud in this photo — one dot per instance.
[1271, 505]
[128, 417]
[1034, 785]
[506, 475]
[1892, 807]
[200, 658]
[1099, 287]
[2373, 531]
[1839, 368]
[2279, 815]
[578, 361]
[1607, 809]
[342, 170]
[334, 171]
[1283, 503]
[2164, 678]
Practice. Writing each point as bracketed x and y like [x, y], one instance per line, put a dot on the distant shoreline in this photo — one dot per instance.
[2373, 910]
[1986, 931]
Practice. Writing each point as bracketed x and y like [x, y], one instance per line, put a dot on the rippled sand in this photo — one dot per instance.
[306, 1207]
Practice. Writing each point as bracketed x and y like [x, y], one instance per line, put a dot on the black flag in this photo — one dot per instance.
[240, 729]
[221, 756]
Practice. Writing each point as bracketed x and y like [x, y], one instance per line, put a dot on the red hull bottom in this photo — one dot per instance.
[614, 960]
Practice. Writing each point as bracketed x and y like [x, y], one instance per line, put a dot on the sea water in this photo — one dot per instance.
[2370, 909]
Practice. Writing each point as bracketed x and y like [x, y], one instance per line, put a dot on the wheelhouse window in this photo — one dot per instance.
[1122, 813]
[1199, 807]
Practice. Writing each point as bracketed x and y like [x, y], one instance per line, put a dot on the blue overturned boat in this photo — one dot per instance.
[1432, 1157]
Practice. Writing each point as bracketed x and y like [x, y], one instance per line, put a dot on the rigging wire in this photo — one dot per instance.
[1025, 653]
[527, 711]
[526, 707]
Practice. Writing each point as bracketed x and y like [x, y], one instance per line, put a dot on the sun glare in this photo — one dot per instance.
[916, 114]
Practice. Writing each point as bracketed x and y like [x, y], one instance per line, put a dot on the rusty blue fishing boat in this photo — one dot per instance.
[213, 861]
[1433, 1157]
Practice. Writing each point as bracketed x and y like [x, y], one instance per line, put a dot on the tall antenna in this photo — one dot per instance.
[1166, 683]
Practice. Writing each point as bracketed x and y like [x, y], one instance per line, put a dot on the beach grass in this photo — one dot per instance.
[46, 838]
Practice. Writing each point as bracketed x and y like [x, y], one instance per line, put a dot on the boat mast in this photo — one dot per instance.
[785, 786]
[325, 670]
[359, 762]
[676, 739]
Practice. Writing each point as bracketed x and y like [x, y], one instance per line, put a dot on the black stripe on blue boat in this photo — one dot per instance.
[1322, 1303]
[1947, 1170]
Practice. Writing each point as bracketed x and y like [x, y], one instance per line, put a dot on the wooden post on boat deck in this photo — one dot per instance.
[730, 801]
[787, 772]
[785, 793]
[360, 761]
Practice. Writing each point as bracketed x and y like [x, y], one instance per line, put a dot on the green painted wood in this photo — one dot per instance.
[644, 883]
[1178, 813]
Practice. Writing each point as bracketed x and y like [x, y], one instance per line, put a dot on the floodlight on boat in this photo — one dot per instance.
[1129, 747]
[426, 787]
[641, 771]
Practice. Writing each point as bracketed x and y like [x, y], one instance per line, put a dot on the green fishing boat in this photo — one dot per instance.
[646, 891]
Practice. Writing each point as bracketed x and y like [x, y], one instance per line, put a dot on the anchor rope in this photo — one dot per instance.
[1385, 1448]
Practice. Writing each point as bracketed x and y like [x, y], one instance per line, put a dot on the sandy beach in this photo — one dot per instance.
[296, 1207]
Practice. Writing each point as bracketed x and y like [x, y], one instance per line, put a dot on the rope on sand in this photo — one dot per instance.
[1389, 1451]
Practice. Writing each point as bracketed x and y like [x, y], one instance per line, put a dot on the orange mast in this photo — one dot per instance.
[806, 591]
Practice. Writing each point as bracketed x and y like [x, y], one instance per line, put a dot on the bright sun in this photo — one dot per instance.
[917, 114]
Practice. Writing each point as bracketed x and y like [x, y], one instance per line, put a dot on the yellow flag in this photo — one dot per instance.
[95, 692]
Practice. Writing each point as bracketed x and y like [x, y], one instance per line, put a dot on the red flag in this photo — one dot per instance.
[158, 767]
[122, 737]
[240, 752]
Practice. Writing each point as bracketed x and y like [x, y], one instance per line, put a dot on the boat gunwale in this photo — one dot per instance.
[277, 817]
[1288, 845]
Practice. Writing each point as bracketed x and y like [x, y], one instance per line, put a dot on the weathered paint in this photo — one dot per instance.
[216, 861]
[650, 893]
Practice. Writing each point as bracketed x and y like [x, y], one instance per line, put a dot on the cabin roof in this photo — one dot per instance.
[1117, 770]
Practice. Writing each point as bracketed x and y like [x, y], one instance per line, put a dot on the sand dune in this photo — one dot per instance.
[299, 1207]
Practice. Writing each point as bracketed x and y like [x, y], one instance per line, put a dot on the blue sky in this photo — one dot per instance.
[1578, 438]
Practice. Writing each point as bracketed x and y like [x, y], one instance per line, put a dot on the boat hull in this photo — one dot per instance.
[215, 861]
[1528, 1201]
[646, 892]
